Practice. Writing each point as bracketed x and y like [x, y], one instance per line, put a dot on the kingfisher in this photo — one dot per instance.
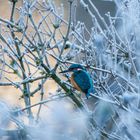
[80, 79]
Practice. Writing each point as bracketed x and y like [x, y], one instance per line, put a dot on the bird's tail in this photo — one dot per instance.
[90, 91]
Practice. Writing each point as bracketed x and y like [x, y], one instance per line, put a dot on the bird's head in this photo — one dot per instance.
[73, 68]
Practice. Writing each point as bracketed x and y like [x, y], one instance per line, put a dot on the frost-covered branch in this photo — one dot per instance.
[39, 43]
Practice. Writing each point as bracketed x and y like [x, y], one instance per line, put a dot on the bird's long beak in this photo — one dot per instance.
[65, 71]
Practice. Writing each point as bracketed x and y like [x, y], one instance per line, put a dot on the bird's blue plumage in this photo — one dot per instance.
[84, 81]
[81, 79]
[76, 66]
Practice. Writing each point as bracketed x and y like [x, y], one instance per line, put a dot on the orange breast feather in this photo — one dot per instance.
[74, 83]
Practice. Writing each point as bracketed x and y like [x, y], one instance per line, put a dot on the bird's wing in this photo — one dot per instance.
[83, 80]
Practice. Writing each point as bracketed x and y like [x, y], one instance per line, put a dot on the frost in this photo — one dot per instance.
[4, 115]
[60, 123]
